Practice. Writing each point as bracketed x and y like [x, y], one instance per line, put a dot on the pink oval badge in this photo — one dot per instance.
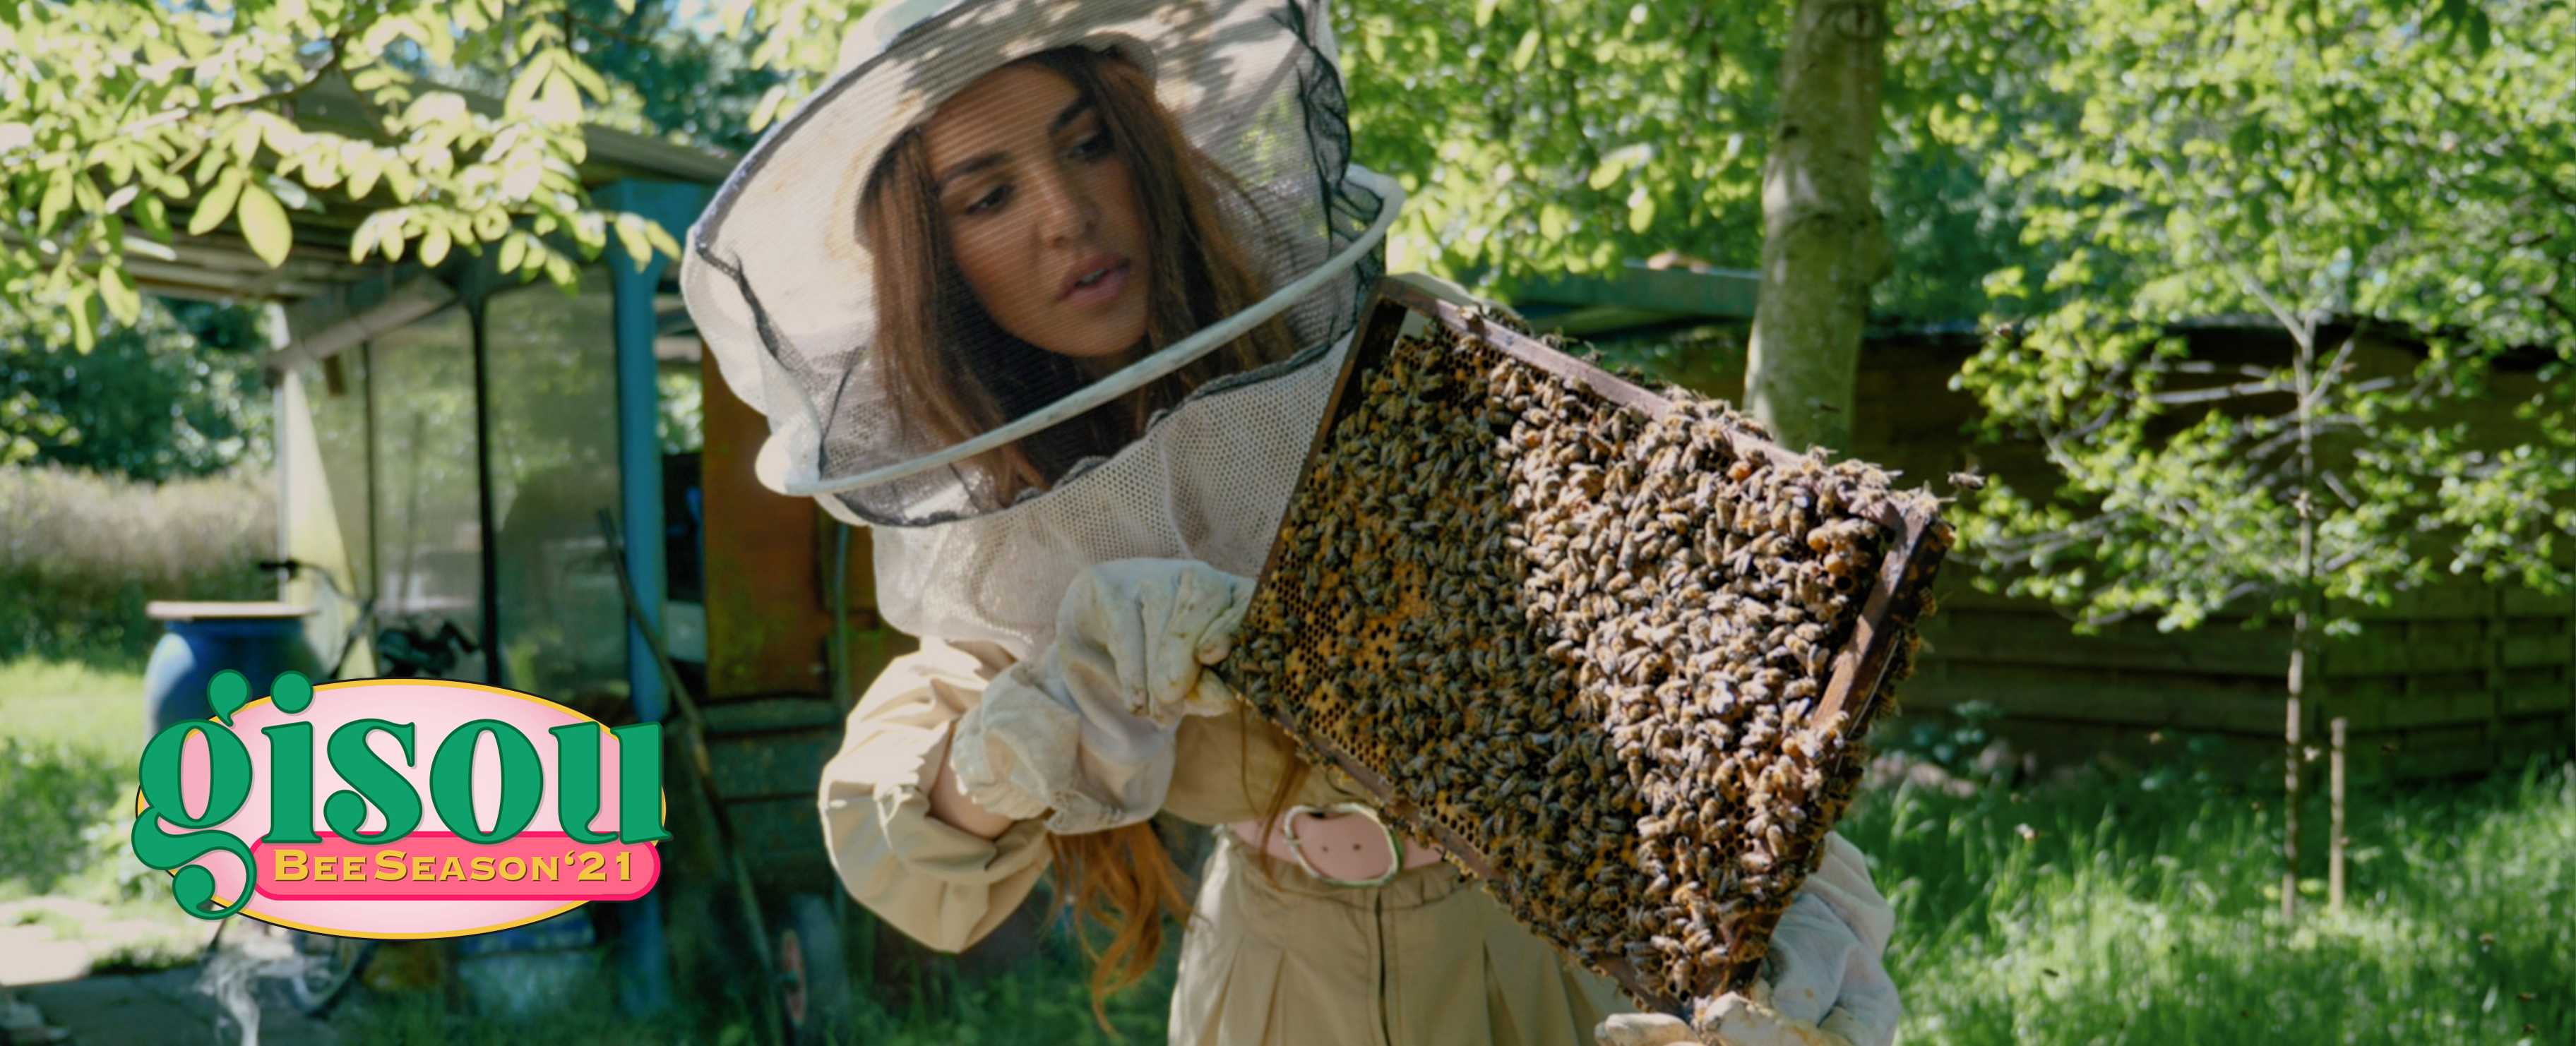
[401, 808]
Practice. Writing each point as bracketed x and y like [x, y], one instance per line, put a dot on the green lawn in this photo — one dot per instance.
[90, 709]
[2145, 909]
[2109, 909]
[70, 736]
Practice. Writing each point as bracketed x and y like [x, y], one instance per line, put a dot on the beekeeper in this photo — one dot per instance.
[1051, 295]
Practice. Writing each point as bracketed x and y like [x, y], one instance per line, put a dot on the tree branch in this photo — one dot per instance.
[2280, 313]
[2205, 367]
[2326, 375]
[2242, 389]
[171, 116]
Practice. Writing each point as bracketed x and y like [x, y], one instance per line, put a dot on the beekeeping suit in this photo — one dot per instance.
[994, 577]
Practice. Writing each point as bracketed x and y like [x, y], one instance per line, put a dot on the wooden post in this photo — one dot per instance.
[2335, 842]
[2290, 776]
[2495, 633]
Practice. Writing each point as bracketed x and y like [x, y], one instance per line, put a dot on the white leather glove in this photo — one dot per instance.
[1085, 729]
[1823, 982]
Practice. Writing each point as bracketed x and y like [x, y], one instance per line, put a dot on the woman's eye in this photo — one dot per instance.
[1093, 147]
[991, 199]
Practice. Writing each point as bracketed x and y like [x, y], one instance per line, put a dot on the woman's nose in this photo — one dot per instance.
[1065, 207]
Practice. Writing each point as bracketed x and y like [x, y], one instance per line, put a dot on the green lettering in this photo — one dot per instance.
[577, 781]
[639, 784]
[371, 781]
[165, 802]
[290, 784]
[451, 781]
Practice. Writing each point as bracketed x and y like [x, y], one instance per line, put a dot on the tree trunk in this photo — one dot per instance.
[1822, 242]
[2303, 626]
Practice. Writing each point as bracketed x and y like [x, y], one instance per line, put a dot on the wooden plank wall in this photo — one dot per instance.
[2459, 679]
[2454, 680]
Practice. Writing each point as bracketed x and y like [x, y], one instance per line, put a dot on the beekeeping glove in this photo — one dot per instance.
[1823, 982]
[1082, 735]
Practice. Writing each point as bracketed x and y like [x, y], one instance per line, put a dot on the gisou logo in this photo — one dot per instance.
[398, 807]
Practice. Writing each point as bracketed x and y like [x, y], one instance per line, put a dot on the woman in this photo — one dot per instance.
[1042, 195]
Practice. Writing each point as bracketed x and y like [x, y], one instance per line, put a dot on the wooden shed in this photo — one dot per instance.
[448, 438]
[2457, 678]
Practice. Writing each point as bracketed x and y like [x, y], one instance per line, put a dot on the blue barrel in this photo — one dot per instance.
[258, 640]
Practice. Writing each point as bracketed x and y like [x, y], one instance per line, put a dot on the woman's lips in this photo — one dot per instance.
[1105, 290]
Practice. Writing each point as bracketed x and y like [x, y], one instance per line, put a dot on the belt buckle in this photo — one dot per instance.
[1394, 842]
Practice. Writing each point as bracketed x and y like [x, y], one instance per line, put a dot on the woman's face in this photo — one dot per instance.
[1041, 212]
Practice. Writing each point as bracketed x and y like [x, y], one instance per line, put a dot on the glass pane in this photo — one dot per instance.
[429, 536]
[552, 364]
[337, 391]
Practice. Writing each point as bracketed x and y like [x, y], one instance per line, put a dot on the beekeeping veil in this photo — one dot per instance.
[991, 482]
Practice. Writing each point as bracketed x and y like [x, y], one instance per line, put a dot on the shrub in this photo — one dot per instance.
[80, 555]
[54, 806]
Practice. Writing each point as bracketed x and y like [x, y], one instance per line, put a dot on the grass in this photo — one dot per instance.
[70, 735]
[2135, 908]
[2145, 908]
[2112, 908]
[82, 706]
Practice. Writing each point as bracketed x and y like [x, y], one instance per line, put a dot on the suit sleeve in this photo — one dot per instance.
[941, 886]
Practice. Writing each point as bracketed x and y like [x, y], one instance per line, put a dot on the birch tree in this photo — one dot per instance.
[1823, 241]
[2341, 173]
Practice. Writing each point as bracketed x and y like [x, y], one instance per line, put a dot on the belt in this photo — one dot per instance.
[1340, 844]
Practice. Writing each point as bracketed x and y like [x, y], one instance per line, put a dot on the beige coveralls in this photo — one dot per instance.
[1268, 960]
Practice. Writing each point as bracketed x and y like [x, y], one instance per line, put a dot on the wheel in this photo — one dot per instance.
[331, 965]
[814, 978]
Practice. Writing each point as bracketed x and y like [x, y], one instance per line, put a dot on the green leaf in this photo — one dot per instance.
[404, 183]
[118, 293]
[217, 204]
[1527, 50]
[364, 166]
[512, 249]
[434, 244]
[58, 198]
[84, 337]
[767, 110]
[1608, 173]
[630, 237]
[1642, 216]
[364, 239]
[265, 225]
[661, 239]
[246, 139]
[153, 215]
[1485, 11]
[581, 74]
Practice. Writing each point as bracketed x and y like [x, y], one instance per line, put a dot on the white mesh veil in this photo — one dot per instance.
[780, 280]
[791, 294]
[1208, 483]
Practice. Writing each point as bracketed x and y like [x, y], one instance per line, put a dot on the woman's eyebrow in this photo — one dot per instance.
[1062, 120]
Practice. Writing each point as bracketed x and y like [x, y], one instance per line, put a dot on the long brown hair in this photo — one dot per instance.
[959, 374]
[1124, 879]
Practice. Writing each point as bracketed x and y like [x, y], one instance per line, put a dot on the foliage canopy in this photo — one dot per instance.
[2338, 172]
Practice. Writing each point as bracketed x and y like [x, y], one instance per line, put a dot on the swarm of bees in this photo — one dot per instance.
[1584, 646]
